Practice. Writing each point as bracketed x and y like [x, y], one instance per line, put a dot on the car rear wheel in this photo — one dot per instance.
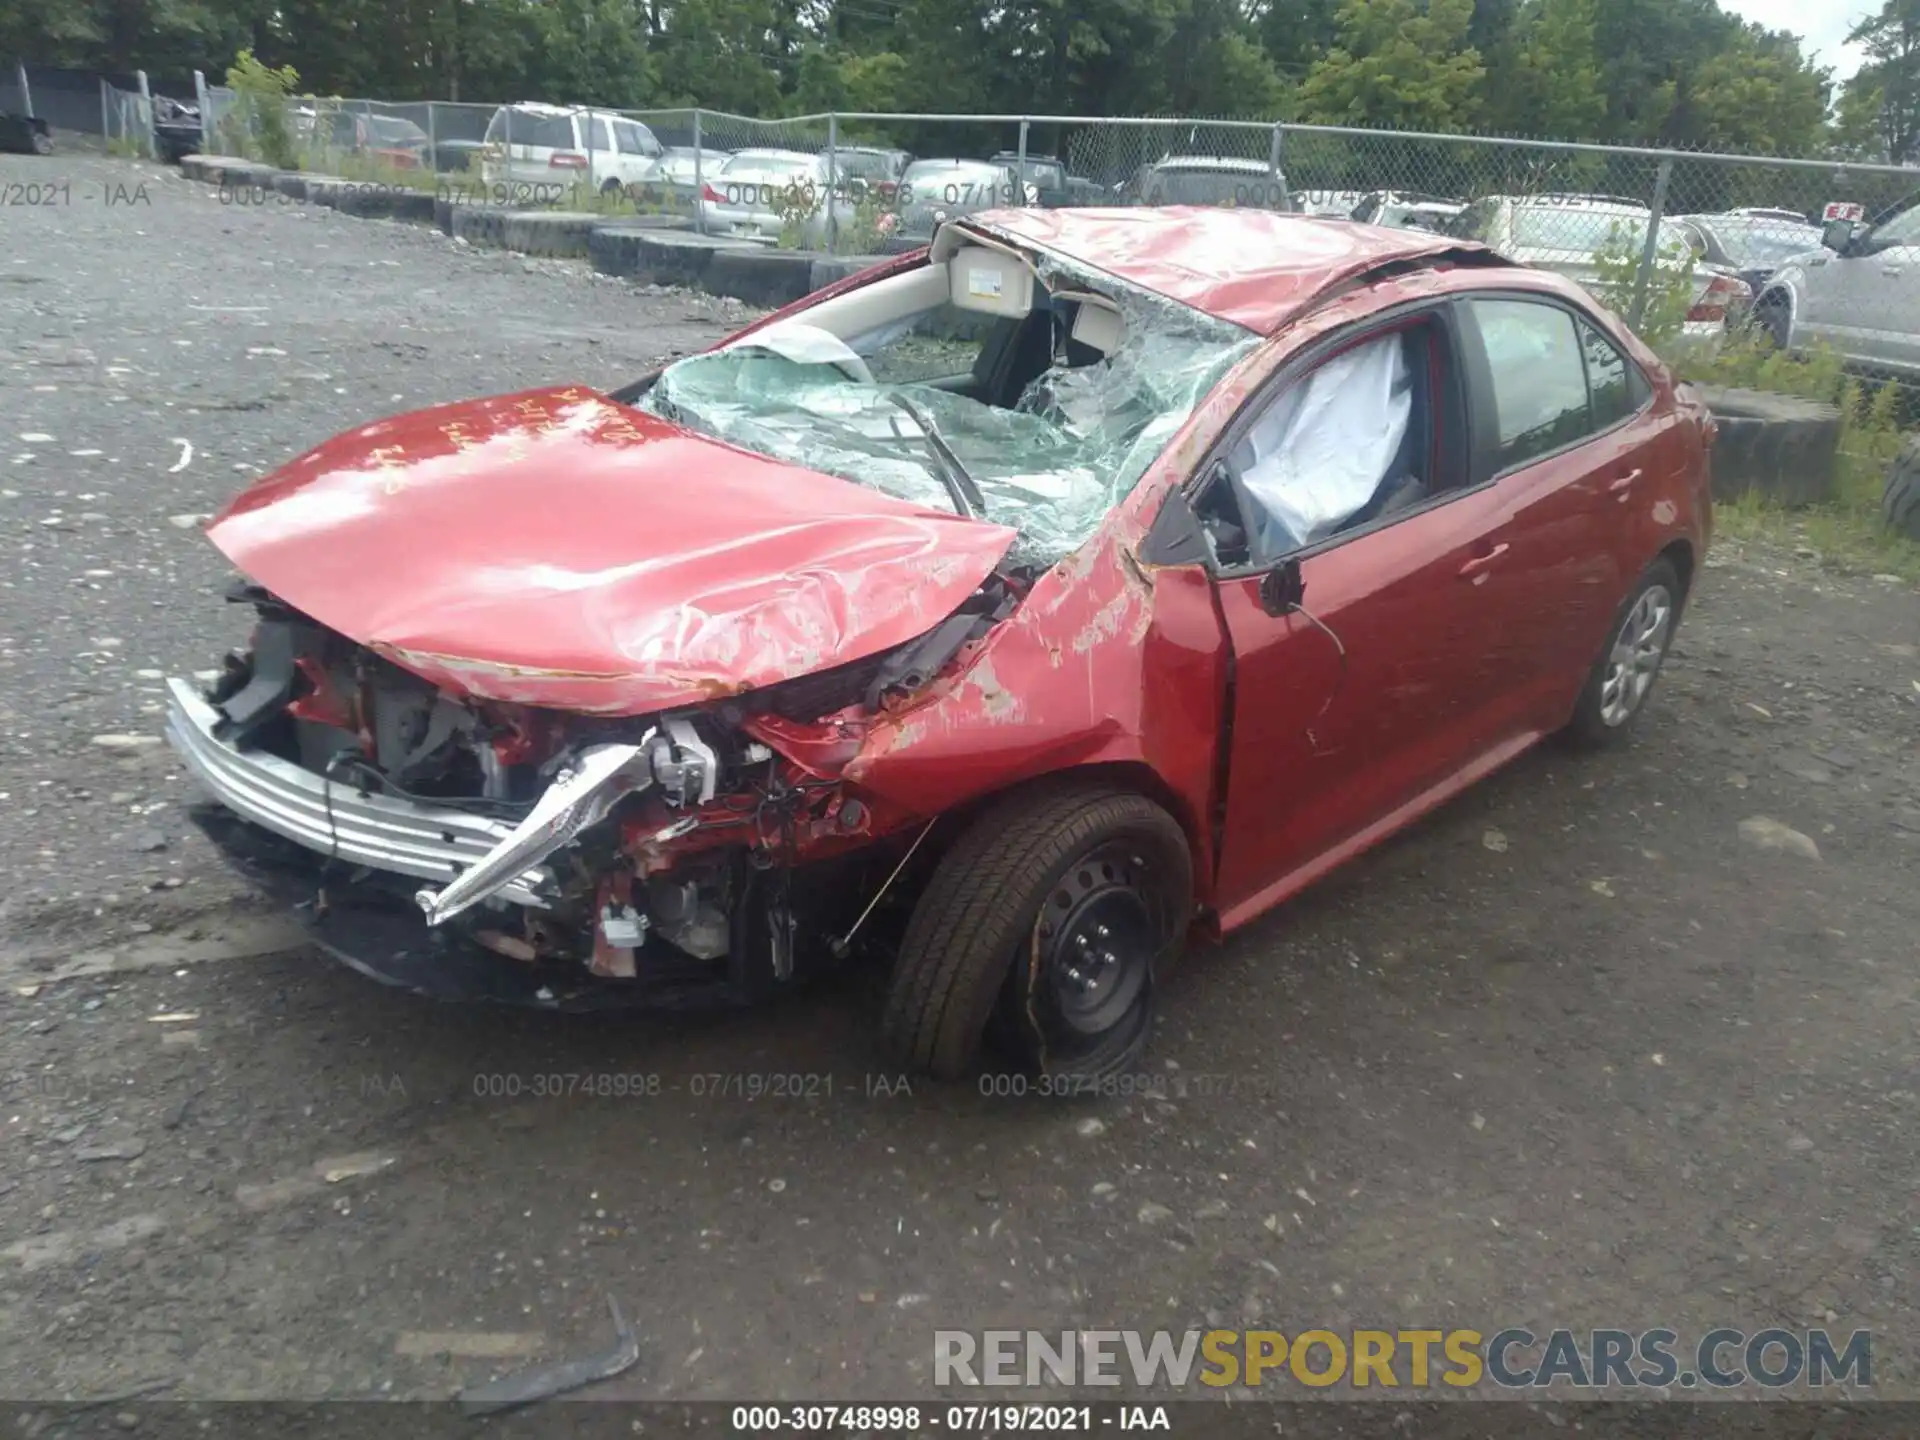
[1621, 679]
[1052, 919]
[612, 190]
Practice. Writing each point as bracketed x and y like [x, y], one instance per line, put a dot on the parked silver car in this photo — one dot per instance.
[1564, 233]
[757, 193]
[934, 191]
[1858, 294]
[1211, 180]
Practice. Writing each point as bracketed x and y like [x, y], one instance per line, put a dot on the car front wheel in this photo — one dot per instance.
[1050, 920]
[1621, 679]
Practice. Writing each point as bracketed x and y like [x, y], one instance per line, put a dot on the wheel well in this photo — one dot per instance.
[1680, 555]
[1125, 774]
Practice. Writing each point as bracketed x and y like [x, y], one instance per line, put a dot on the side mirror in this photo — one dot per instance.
[1283, 588]
[1839, 235]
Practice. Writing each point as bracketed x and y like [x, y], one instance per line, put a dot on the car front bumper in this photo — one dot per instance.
[333, 818]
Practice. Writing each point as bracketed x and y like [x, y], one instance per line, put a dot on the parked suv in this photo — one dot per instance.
[1859, 294]
[1565, 232]
[534, 144]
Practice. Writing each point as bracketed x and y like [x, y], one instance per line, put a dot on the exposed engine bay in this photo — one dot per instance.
[604, 845]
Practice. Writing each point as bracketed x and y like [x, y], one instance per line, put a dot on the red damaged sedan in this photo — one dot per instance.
[1014, 611]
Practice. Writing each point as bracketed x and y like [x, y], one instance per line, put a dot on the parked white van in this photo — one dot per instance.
[535, 144]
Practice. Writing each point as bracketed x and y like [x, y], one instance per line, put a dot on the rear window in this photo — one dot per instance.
[635, 138]
[1541, 227]
[529, 127]
[1256, 190]
[394, 130]
[767, 166]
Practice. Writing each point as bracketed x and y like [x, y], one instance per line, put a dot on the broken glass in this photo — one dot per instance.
[1075, 444]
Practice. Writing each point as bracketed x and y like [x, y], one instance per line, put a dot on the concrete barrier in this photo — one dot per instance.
[832, 269]
[481, 225]
[561, 234]
[614, 246]
[671, 258]
[1778, 446]
[760, 276]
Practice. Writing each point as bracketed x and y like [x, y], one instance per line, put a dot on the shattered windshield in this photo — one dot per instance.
[1051, 444]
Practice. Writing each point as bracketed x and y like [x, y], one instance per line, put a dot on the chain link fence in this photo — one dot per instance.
[1682, 244]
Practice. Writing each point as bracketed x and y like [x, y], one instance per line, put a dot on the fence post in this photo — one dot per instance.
[1023, 163]
[26, 95]
[1643, 277]
[146, 104]
[1274, 150]
[205, 101]
[699, 179]
[833, 166]
[433, 144]
[106, 125]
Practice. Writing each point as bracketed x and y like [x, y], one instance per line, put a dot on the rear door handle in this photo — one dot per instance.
[1624, 483]
[1479, 563]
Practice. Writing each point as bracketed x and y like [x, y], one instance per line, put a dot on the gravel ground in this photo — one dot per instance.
[1571, 1053]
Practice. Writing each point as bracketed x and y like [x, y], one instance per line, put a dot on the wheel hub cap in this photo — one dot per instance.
[1634, 660]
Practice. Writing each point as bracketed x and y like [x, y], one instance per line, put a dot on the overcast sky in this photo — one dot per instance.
[1822, 26]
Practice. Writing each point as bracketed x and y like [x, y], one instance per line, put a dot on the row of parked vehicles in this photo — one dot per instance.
[1796, 281]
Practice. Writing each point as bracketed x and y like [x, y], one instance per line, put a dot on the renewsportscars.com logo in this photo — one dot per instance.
[1513, 1359]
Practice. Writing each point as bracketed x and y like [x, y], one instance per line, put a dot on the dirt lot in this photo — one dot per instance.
[1573, 1053]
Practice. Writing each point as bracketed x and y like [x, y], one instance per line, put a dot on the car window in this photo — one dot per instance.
[1902, 229]
[1614, 383]
[631, 139]
[1546, 227]
[529, 127]
[935, 344]
[1340, 443]
[1539, 377]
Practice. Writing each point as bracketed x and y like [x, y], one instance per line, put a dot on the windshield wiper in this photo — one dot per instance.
[965, 494]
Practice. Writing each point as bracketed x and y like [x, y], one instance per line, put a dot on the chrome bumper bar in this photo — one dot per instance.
[379, 831]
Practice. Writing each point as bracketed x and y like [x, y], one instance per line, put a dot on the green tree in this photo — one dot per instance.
[1398, 64]
[1892, 77]
[1544, 78]
[1760, 94]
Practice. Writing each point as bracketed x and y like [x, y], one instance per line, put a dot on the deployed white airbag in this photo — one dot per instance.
[1318, 456]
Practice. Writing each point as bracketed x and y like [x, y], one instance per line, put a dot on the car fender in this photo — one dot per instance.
[1106, 663]
[1784, 291]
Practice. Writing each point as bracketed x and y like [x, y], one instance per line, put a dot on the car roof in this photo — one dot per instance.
[541, 107]
[773, 155]
[1252, 268]
[1209, 162]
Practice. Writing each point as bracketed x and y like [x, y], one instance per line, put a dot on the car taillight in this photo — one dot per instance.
[712, 196]
[1722, 295]
[564, 160]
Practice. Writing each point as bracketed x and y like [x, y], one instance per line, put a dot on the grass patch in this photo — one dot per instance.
[1849, 532]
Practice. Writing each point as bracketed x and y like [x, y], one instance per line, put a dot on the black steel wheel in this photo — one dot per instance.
[1048, 925]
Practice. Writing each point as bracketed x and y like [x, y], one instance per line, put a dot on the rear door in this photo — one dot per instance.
[1573, 449]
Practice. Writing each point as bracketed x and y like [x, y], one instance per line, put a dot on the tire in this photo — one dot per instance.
[1901, 502]
[1768, 320]
[1036, 878]
[612, 190]
[42, 142]
[1637, 645]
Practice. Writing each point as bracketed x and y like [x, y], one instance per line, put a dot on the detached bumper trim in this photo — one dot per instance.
[380, 831]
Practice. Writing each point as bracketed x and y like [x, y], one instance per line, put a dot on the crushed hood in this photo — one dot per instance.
[555, 548]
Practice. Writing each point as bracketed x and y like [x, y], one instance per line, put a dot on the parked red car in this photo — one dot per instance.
[1014, 609]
